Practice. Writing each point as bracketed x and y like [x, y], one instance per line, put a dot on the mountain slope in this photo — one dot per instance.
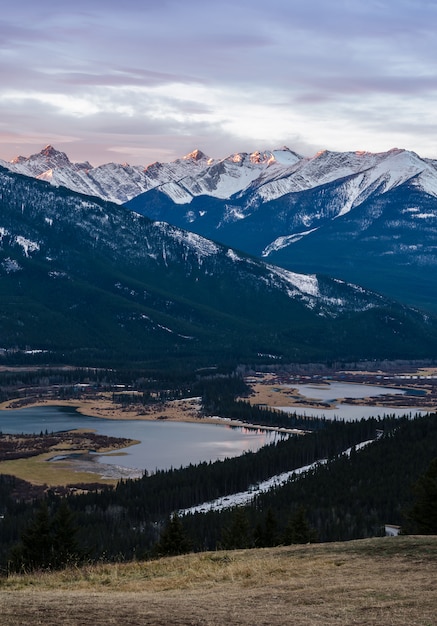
[370, 219]
[85, 279]
[305, 214]
[388, 243]
[181, 180]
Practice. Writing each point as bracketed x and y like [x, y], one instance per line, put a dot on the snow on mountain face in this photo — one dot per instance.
[181, 180]
[283, 242]
[25, 232]
[250, 179]
[390, 169]
[262, 176]
[48, 159]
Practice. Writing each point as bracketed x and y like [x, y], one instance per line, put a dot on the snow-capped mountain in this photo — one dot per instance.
[366, 218]
[257, 177]
[128, 288]
[290, 210]
[193, 175]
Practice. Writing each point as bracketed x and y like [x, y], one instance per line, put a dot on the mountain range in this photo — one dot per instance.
[85, 280]
[366, 218]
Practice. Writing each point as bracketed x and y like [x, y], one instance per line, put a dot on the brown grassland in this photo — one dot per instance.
[380, 582]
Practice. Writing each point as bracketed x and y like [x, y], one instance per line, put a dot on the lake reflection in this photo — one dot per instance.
[162, 444]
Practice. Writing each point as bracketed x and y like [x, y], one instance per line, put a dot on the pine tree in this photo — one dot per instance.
[266, 535]
[298, 529]
[238, 534]
[424, 511]
[64, 537]
[36, 548]
[173, 539]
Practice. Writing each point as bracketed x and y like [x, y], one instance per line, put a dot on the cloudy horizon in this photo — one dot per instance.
[140, 82]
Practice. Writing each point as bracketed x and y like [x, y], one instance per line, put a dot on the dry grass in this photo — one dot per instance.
[103, 405]
[38, 471]
[383, 582]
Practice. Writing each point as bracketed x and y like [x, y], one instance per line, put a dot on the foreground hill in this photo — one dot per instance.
[84, 280]
[369, 582]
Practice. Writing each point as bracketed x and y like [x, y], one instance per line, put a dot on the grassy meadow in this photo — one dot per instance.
[380, 582]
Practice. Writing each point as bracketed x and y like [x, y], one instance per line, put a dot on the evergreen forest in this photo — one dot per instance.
[344, 496]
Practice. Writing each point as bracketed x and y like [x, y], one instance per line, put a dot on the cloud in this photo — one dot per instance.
[167, 75]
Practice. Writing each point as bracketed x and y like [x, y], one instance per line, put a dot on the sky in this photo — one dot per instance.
[140, 81]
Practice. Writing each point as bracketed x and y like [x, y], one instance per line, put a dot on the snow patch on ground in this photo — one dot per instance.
[231, 254]
[245, 497]
[26, 244]
[305, 283]
[283, 242]
[424, 216]
[10, 266]
[176, 193]
[200, 245]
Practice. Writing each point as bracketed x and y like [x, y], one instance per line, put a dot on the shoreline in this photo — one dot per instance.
[166, 412]
[266, 390]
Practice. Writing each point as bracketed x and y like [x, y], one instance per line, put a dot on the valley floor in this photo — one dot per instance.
[266, 389]
[272, 390]
[371, 582]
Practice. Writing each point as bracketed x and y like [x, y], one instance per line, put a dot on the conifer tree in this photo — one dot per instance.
[424, 511]
[266, 535]
[36, 548]
[64, 537]
[173, 539]
[298, 529]
[238, 534]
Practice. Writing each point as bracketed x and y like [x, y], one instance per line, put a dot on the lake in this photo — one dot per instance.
[162, 444]
[334, 391]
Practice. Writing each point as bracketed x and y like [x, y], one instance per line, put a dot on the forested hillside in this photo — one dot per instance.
[348, 497]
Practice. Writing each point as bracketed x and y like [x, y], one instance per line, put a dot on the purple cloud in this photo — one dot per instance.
[167, 75]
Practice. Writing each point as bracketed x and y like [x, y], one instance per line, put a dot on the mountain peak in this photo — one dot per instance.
[18, 159]
[49, 150]
[49, 157]
[196, 155]
[48, 153]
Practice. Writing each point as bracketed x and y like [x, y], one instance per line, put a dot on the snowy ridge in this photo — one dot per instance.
[181, 180]
[267, 175]
[195, 243]
[332, 298]
[390, 168]
[328, 297]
